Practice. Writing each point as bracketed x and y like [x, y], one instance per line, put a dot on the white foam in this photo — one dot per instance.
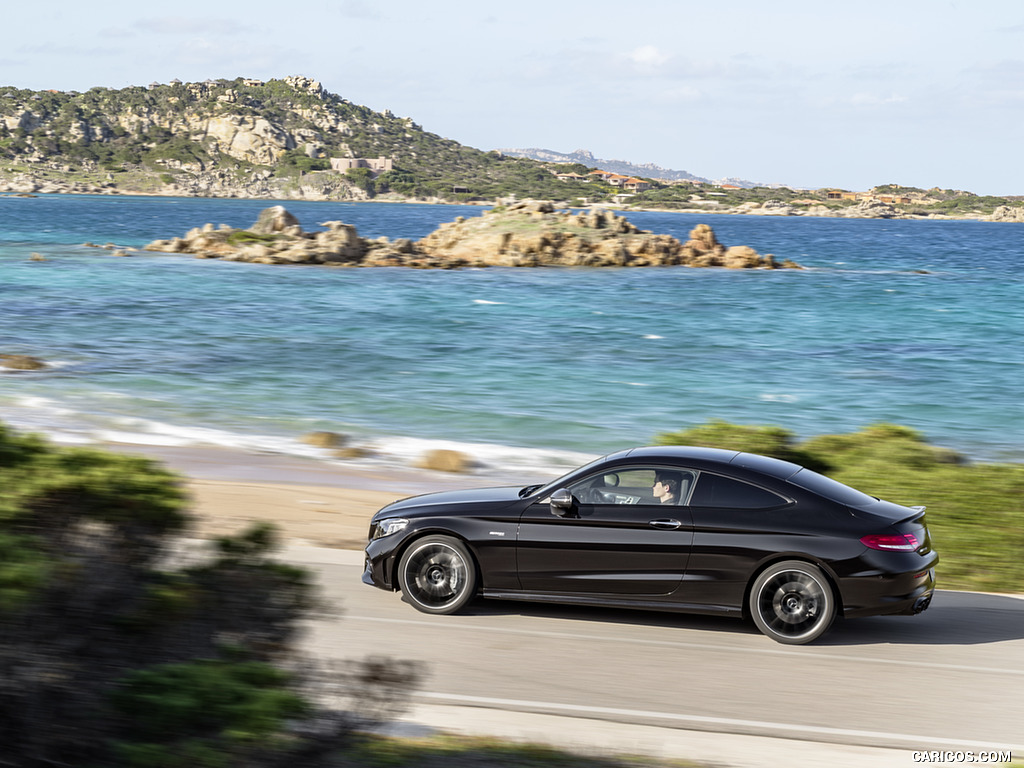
[405, 451]
[34, 401]
[42, 406]
[69, 427]
[149, 432]
[776, 398]
[484, 301]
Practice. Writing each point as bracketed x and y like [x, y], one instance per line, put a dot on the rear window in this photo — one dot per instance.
[719, 491]
[830, 489]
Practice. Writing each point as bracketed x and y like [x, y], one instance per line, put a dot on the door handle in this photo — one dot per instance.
[668, 525]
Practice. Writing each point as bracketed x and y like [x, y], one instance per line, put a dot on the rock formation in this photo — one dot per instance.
[526, 234]
[21, 363]
[1007, 213]
[445, 460]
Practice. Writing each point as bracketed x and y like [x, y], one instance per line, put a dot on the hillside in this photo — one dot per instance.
[242, 138]
[586, 157]
[277, 140]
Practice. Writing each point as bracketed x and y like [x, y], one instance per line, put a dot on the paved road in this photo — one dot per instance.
[950, 678]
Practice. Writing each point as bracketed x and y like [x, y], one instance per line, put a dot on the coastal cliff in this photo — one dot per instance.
[290, 139]
[242, 138]
[525, 234]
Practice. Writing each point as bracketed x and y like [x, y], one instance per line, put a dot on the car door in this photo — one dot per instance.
[735, 524]
[615, 539]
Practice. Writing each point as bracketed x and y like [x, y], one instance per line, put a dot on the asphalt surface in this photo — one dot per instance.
[872, 692]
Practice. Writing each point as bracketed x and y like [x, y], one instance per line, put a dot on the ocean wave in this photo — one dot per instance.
[66, 426]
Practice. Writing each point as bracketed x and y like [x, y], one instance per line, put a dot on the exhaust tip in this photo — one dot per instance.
[922, 603]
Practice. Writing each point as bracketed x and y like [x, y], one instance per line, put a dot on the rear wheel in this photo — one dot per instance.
[792, 602]
[437, 575]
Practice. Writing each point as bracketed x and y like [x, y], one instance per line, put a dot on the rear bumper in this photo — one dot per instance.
[885, 594]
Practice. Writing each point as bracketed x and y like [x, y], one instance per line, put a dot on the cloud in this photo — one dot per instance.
[70, 51]
[357, 9]
[180, 26]
[648, 58]
[875, 100]
[684, 93]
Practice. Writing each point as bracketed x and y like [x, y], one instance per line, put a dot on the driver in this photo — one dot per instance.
[666, 488]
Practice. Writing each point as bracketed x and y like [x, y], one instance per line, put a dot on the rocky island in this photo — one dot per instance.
[524, 234]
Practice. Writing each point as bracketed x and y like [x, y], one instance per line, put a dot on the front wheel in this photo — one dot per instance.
[792, 602]
[437, 575]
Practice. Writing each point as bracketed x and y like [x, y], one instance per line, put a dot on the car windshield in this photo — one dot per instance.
[830, 489]
[561, 482]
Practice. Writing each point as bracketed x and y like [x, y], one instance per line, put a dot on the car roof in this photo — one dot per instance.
[711, 456]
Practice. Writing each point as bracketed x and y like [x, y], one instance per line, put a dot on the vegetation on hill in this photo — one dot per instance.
[276, 139]
[975, 511]
[292, 127]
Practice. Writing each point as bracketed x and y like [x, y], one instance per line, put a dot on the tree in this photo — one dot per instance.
[362, 178]
[116, 648]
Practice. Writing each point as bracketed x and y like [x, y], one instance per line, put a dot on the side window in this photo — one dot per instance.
[635, 485]
[720, 491]
[636, 478]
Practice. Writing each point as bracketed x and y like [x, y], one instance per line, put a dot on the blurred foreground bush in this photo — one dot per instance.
[975, 511]
[118, 648]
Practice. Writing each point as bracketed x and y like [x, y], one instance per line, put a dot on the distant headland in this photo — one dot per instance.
[290, 139]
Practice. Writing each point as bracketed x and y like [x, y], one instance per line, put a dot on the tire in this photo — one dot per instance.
[792, 602]
[437, 575]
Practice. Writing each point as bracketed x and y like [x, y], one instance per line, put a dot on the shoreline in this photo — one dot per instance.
[6, 191]
[311, 502]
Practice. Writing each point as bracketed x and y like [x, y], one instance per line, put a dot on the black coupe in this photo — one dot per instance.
[697, 530]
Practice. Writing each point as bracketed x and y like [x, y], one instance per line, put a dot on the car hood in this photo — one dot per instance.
[493, 497]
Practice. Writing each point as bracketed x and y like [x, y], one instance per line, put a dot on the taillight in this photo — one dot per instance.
[900, 542]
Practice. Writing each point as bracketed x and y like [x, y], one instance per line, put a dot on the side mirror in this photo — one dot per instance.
[561, 502]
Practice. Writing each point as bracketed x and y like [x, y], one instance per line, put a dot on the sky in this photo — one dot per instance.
[923, 93]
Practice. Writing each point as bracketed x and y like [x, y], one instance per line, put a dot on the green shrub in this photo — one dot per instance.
[193, 712]
[243, 236]
[766, 440]
[91, 622]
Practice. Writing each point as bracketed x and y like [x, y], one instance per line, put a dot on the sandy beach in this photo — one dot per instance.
[317, 515]
[311, 502]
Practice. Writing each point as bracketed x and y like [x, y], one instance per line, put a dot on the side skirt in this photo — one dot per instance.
[610, 601]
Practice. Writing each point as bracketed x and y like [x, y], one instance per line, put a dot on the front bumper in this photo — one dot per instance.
[378, 563]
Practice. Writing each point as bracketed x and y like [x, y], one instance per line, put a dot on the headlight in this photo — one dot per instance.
[390, 526]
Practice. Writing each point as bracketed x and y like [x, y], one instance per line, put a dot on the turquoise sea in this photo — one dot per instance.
[914, 322]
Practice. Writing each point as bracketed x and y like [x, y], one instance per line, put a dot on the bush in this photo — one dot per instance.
[181, 714]
[765, 440]
[243, 236]
[111, 656]
[296, 158]
[362, 178]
